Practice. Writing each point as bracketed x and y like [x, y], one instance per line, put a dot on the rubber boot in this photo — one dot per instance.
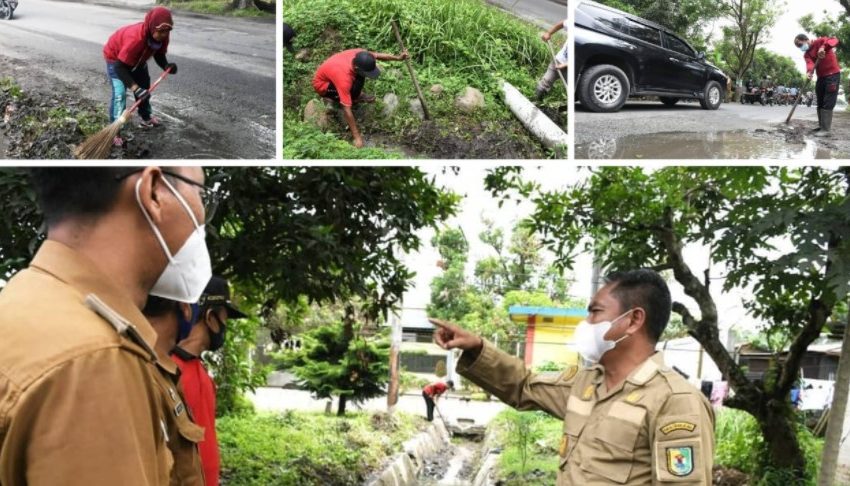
[820, 122]
[826, 124]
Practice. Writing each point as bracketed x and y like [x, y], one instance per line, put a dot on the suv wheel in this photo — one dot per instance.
[603, 88]
[669, 101]
[712, 96]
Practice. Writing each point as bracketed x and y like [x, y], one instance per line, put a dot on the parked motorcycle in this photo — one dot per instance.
[7, 9]
[752, 97]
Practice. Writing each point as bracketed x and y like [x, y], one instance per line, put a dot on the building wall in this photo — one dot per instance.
[550, 340]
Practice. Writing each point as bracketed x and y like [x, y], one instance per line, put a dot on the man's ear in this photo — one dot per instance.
[186, 311]
[150, 192]
[637, 320]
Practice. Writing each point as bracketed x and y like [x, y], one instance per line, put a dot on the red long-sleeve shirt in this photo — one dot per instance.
[199, 391]
[829, 64]
[435, 389]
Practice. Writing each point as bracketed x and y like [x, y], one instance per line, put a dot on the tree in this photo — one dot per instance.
[751, 22]
[688, 18]
[333, 364]
[784, 233]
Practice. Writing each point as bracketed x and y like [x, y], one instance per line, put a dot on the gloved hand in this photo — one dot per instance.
[173, 67]
[141, 93]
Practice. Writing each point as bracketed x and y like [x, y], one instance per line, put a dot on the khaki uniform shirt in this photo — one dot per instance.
[83, 398]
[654, 428]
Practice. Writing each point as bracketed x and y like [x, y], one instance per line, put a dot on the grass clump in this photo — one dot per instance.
[309, 448]
[530, 441]
[217, 7]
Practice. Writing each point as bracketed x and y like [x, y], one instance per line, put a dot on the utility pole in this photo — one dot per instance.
[392, 391]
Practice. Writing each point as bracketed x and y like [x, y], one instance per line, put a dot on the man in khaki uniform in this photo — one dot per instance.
[628, 419]
[84, 399]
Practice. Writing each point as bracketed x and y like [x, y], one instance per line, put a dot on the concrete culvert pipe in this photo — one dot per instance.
[535, 121]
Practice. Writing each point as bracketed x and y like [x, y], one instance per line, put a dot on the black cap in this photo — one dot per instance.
[288, 34]
[217, 293]
[366, 65]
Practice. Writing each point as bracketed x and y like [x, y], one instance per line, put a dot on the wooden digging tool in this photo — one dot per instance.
[555, 60]
[800, 94]
[411, 71]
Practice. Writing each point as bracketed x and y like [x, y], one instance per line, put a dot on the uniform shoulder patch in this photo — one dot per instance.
[587, 394]
[634, 397]
[569, 373]
[680, 461]
[674, 426]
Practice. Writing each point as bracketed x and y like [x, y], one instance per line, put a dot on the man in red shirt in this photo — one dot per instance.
[127, 52]
[821, 51]
[342, 76]
[186, 331]
[431, 393]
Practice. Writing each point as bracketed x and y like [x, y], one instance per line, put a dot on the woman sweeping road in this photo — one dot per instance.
[127, 52]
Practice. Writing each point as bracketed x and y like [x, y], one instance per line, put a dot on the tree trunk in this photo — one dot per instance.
[340, 411]
[783, 448]
[835, 426]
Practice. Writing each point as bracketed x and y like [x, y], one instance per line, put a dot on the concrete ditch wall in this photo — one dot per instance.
[405, 466]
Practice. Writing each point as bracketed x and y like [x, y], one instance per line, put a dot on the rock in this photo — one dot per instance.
[303, 55]
[393, 73]
[390, 104]
[437, 89]
[316, 114]
[416, 108]
[471, 100]
[71, 123]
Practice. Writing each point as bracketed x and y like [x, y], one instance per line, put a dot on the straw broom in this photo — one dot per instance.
[99, 145]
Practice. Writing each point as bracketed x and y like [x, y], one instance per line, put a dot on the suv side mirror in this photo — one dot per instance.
[700, 56]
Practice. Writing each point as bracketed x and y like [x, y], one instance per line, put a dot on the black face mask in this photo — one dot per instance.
[216, 338]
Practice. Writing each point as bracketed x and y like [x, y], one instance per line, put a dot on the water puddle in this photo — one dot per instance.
[739, 144]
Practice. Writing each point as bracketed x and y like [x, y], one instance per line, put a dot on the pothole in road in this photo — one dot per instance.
[779, 143]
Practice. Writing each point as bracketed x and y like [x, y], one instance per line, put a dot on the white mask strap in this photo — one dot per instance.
[150, 221]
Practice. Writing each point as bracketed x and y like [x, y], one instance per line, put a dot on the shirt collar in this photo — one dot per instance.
[78, 271]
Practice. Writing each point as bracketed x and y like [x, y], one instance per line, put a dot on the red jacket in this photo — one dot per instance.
[435, 389]
[199, 391]
[829, 64]
[133, 44]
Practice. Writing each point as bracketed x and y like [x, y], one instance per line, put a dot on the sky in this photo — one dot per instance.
[781, 38]
[477, 201]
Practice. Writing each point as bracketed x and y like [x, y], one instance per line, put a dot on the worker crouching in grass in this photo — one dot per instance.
[340, 79]
[127, 52]
[820, 57]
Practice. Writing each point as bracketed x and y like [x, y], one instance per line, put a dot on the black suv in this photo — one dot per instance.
[620, 55]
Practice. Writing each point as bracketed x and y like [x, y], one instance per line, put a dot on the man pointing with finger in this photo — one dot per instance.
[628, 418]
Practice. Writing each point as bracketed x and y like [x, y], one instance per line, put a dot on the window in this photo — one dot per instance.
[607, 18]
[675, 44]
[644, 33]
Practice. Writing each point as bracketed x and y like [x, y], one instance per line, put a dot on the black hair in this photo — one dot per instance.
[801, 37]
[646, 289]
[451, 384]
[65, 192]
[159, 306]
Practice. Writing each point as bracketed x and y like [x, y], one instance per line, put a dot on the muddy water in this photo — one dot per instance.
[711, 145]
[456, 465]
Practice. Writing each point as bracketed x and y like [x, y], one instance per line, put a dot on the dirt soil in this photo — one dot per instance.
[26, 133]
[729, 477]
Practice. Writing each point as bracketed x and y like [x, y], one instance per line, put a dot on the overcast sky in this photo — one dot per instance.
[469, 183]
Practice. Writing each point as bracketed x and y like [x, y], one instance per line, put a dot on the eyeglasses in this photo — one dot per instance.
[210, 197]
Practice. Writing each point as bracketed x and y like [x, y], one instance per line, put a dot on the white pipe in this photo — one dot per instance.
[552, 136]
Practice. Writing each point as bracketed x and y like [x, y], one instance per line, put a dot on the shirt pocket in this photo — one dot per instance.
[573, 427]
[611, 450]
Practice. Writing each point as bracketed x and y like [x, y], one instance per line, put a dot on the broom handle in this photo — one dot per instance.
[800, 94]
[555, 60]
[412, 72]
[160, 79]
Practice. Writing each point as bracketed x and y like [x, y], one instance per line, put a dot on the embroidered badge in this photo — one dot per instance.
[588, 392]
[680, 461]
[178, 409]
[565, 443]
[634, 397]
[672, 427]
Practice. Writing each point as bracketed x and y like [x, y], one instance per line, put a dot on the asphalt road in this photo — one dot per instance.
[650, 130]
[221, 104]
[642, 118]
[542, 12]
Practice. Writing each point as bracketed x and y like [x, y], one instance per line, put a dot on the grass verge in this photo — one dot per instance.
[309, 448]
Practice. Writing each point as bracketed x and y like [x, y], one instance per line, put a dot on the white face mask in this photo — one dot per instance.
[189, 270]
[590, 340]
[804, 48]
